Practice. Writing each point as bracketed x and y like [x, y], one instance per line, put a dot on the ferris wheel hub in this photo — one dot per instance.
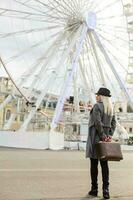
[91, 20]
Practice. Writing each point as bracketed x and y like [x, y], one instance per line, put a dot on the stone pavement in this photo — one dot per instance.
[58, 175]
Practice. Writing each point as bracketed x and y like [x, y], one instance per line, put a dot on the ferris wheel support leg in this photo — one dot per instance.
[68, 80]
[86, 82]
[24, 126]
[6, 101]
[108, 60]
[76, 96]
[7, 126]
[89, 73]
[97, 59]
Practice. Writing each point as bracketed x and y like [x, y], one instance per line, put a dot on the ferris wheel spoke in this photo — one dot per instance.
[31, 7]
[50, 53]
[76, 6]
[69, 7]
[65, 8]
[52, 36]
[19, 33]
[64, 56]
[97, 59]
[38, 10]
[76, 97]
[57, 39]
[54, 9]
[116, 59]
[47, 57]
[85, 81]
[113, 30]
[13, 11]
[80, 4]
[107, 6]
[8, 13]
[118, 29]
[109, 79]
[94, 6]
[28, 18]
[88, 3]
[45, 13]
[110, 17]
[90, 49]
[29, 73]
[26, 50]
[109, 43]
[122, 40]
[27, 77]
[108, 60]
[89, 68]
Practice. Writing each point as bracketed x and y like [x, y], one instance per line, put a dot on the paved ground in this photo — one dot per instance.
[63, 175]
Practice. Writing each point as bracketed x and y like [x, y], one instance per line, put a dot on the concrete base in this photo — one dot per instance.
[32, 140]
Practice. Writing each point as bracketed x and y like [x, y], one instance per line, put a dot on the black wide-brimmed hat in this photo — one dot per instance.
[104, 92]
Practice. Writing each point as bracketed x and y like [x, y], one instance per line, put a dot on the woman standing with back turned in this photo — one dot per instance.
[101, 127]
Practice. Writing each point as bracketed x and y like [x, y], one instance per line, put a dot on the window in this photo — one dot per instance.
[8, 114]
[44, 103]
[74, 127]
[130, 130]
[54, 104]
[49, 104]
[21, 117]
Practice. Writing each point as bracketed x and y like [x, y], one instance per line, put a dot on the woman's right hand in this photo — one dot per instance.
[106, 138]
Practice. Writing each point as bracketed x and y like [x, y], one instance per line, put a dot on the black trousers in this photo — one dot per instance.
[94, 173]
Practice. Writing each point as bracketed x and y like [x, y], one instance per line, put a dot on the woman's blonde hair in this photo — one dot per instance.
[108, 106]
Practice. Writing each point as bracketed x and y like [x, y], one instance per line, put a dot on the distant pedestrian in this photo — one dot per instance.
[101, 127]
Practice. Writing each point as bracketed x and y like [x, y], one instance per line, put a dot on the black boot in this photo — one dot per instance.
[93, 192]
[106, 194]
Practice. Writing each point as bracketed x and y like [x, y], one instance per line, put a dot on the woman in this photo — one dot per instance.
[101, 127]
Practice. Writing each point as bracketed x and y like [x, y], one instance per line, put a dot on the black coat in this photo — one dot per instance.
[100, 124]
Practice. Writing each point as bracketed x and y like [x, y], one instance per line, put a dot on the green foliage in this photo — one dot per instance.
[130, 141]
[129, 109]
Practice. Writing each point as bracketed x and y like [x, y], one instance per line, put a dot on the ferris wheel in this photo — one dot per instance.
[63, 47]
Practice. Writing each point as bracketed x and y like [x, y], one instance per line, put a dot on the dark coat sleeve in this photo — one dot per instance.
[113, 125]
[97, 120]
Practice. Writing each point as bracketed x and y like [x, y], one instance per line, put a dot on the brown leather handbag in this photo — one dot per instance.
[110, 151]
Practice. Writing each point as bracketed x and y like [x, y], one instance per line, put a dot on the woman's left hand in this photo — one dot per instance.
[107, 139]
